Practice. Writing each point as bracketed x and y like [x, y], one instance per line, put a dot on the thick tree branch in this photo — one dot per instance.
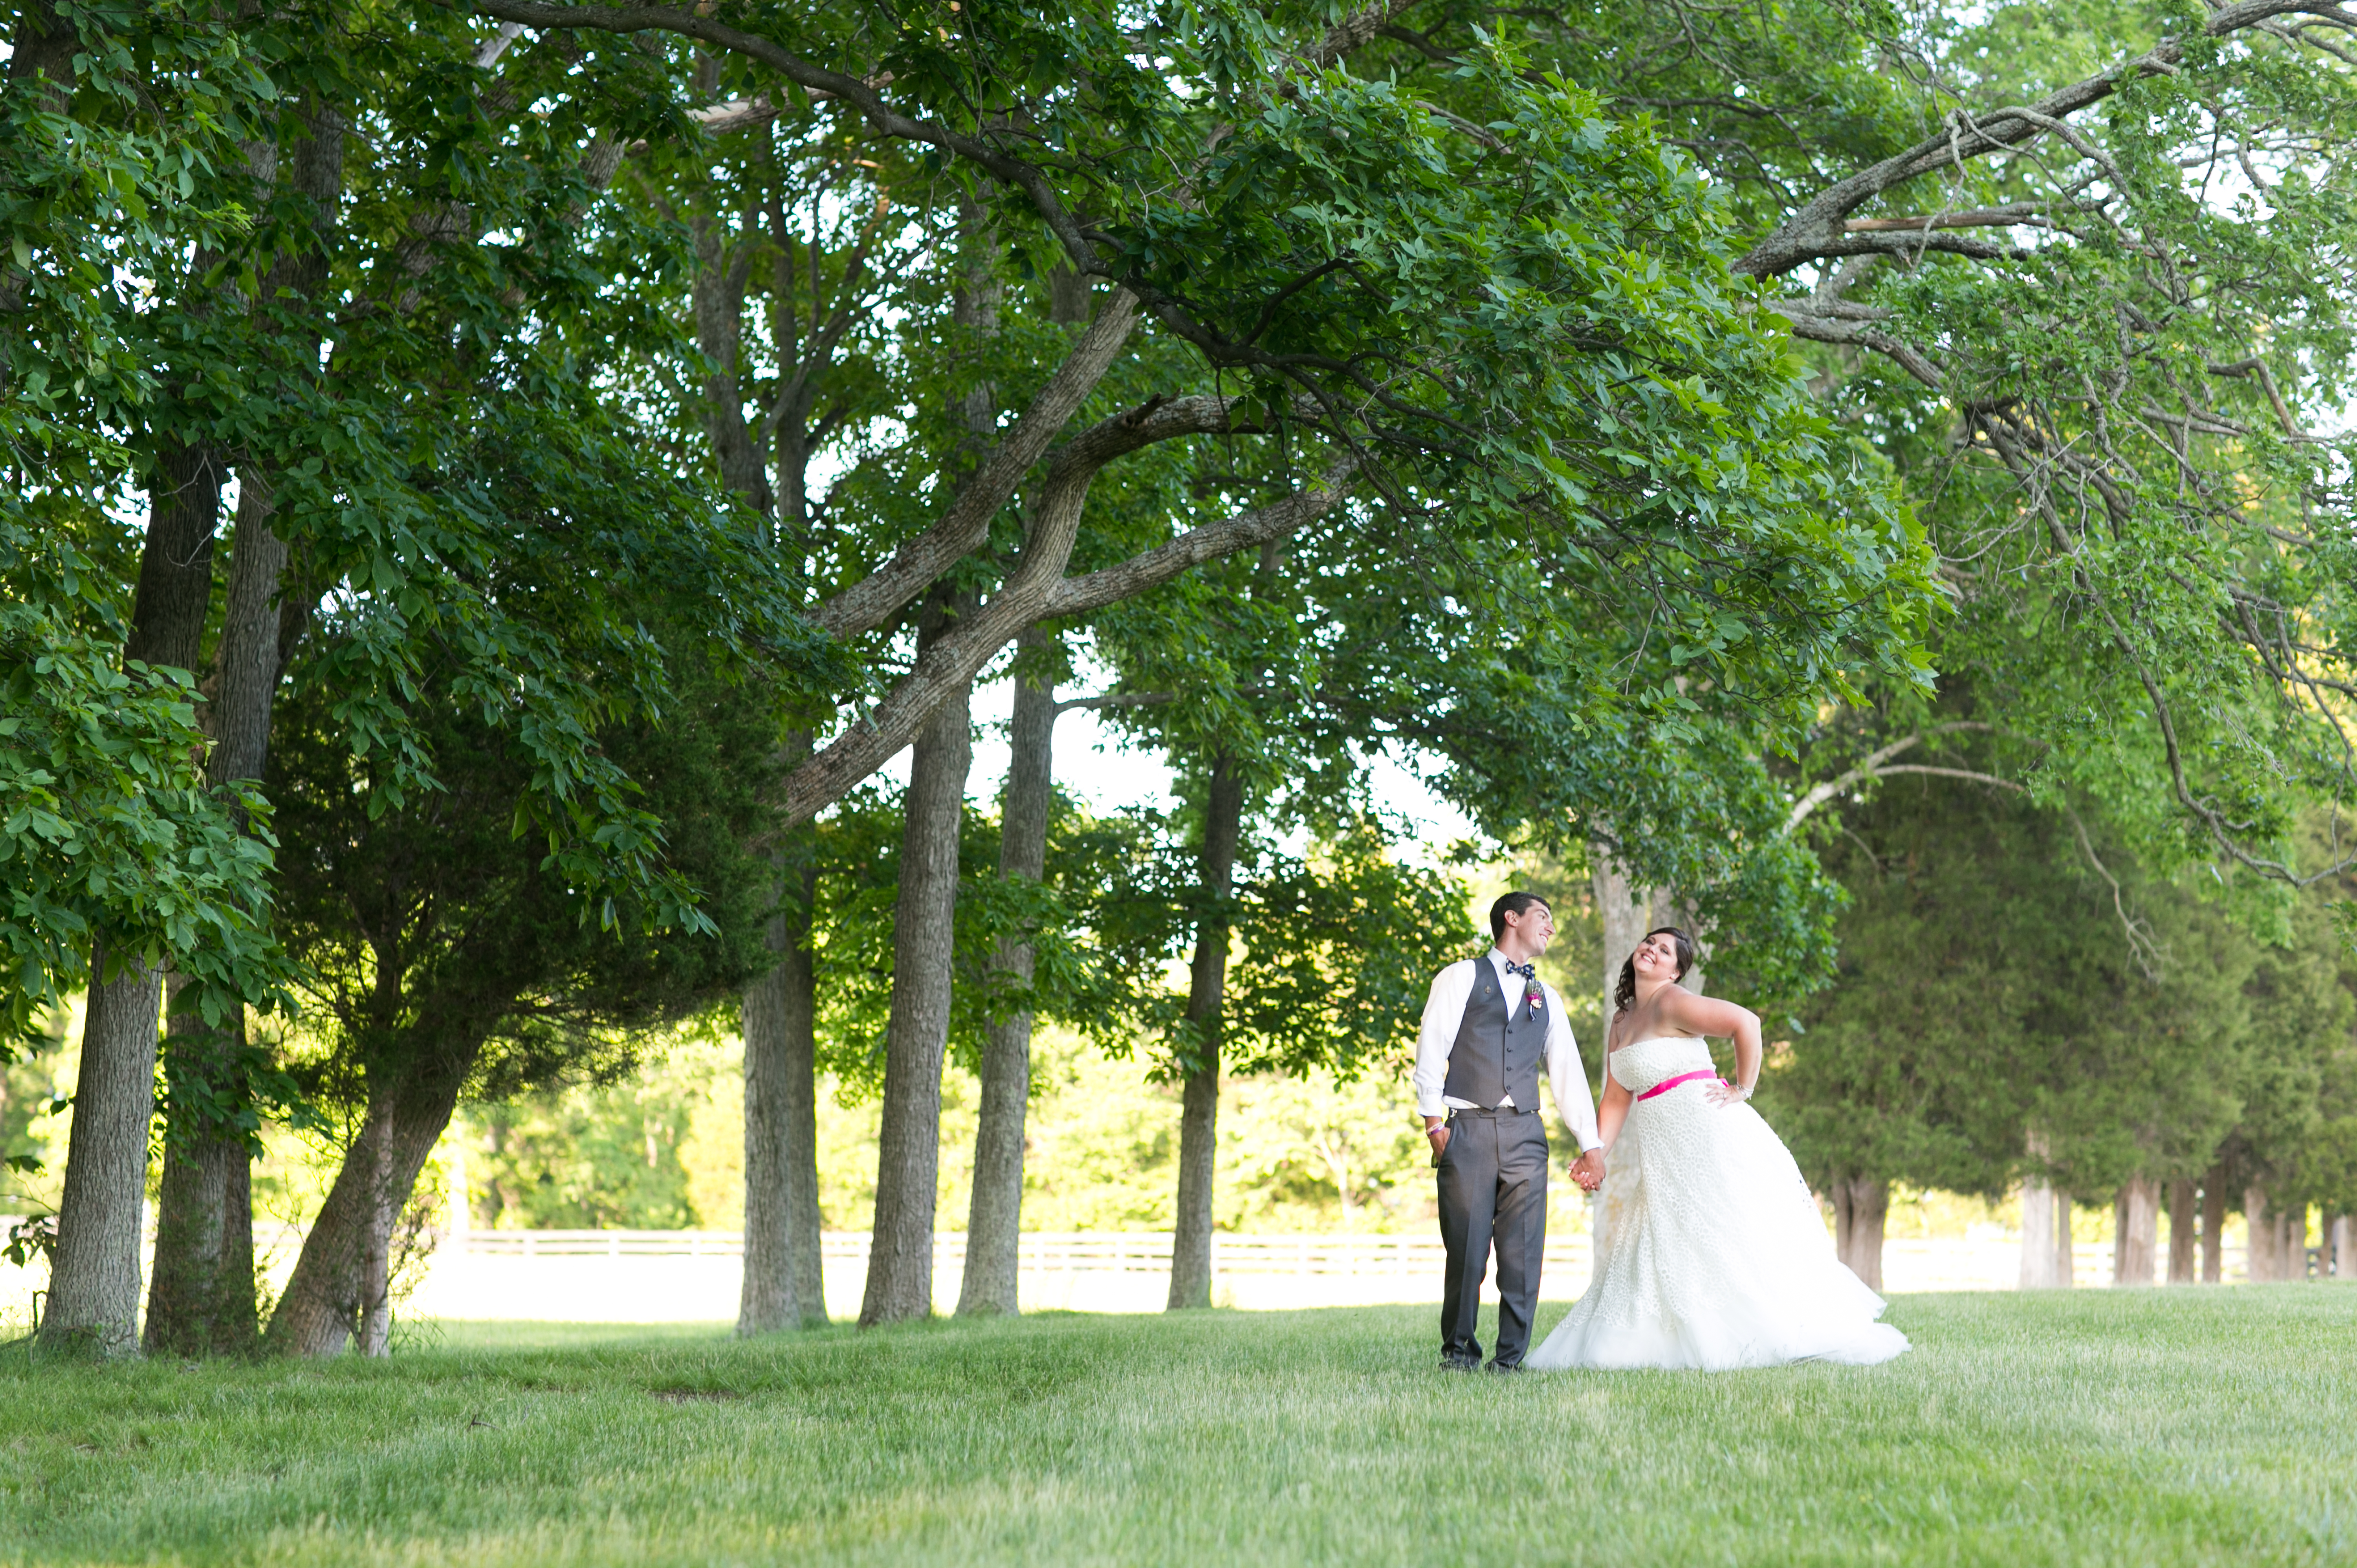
[1821, 324]
[1354, 32]
[1965, 773]
[1077, 595]
[1819, 228]
[1913, 243]
[866, 97]
[736, 114]
[1117, 700]
[1417, 41]
[1978, 217]
[1871, 766]
[875, 598]
[957, 656]
[2258, 367]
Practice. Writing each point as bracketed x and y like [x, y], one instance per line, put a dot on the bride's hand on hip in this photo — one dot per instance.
[1722, 1093]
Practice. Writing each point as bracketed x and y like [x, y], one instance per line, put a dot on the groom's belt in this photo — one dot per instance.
[1455, 1111]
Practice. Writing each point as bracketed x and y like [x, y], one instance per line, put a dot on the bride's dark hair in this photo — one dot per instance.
[1624, 994]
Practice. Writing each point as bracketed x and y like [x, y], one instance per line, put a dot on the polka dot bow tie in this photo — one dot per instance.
[1531, 992]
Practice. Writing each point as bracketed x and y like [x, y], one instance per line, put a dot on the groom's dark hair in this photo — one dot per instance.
[1512, 904]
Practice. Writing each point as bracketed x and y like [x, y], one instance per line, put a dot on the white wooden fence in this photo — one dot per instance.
[1042, 1251]
[1946, 1263]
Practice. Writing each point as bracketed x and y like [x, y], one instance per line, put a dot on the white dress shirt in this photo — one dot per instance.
[1444, 1014]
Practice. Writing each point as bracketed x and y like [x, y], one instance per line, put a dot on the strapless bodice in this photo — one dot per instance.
[1640, 1064]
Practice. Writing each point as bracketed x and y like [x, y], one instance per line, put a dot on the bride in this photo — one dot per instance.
[1710, 1253]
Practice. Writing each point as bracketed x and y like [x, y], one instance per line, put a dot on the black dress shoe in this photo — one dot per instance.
[1457, 1364]
[1504, 1367]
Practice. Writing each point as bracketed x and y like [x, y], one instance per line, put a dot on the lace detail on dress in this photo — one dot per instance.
[1710, 1251]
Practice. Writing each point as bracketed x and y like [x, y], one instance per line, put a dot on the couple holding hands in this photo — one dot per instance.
[1710, 1251]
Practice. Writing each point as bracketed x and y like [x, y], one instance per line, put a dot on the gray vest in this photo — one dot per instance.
[1497, 1053]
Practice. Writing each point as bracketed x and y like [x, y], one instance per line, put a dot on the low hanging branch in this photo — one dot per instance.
[1820, 228]
[877, 597]
[1876, 765]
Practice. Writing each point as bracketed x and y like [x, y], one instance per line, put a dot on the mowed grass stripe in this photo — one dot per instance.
[2094, 1427]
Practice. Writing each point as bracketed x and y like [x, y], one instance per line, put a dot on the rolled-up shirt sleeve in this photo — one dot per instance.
[1444, 1012]
[1565, 1076]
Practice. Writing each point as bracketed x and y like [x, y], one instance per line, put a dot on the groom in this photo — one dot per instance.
[1488, 1025]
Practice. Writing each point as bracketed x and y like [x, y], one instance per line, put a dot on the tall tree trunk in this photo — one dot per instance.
[2045, 1226]
[1861, 1210]
[340, 1284]
[176, 564]
[783, 1287]
[94, 1282]
[2259, 1223]
[993, 1235]
[1623, 912]
[42, 48]
[1199, 1114]
[2038, 1216]
[202, 1299]
[2136, 1234]
[1628, 912]
[2182, 1232]
[908, 1153]
[44, 45]
[2213, 1226]
[372, 1323]
[908, 1168]
[993, 1231]
[2341, 1247]
[718, 298]
[94, 1302]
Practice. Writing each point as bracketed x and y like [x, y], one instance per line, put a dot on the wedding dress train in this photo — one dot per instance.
[1710, 1253]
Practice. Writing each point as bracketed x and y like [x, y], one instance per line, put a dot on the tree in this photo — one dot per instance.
[448, 956]
[441, 260]
[117, 852]
[1356, 292]
[2286, 1150]
[2019, 997]
[773, 363]
[1564, 413]
[1276, 285]
[2081, 275]
[1908, 1067]
[1303, 965]
[994, 1214]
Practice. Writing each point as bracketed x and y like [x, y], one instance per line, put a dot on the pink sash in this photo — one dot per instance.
[1668, 1084]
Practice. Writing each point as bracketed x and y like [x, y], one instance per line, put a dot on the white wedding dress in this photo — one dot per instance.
[1710, 1253]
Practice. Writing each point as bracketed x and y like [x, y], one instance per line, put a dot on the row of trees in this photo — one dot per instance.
[515, 353]
[632, 426]
[2091, 946]
[2020, 1001]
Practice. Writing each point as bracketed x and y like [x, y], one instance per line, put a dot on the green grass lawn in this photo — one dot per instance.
[2144, 1427]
